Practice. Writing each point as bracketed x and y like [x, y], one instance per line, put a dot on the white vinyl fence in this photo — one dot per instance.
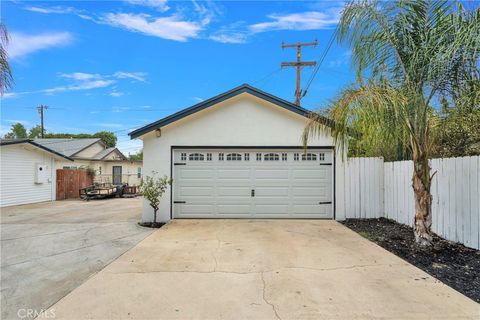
[375, 189]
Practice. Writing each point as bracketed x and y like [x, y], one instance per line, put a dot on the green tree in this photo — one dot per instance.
[413, 53]
[137, 156]
[109, 138]
[152, 189]
[6, 79]
[35, 132]
[458, 133]
[17, 131]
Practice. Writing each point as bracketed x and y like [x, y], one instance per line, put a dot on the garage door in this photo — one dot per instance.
[241, 183]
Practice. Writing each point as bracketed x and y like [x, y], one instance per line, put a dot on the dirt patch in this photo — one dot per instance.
[151, 224]
[454, 264]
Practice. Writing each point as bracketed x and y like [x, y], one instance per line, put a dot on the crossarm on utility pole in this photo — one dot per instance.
[299, 64]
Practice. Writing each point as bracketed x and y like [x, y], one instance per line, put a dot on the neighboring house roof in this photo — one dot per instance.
[68, 147]
[102, 154]
[222, 97]
[5, 142]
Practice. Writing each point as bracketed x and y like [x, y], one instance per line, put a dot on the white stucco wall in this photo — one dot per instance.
[243, 120]
[104, 170]
[17, 172]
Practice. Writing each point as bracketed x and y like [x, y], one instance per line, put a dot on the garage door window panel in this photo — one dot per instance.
[309, 157]
[196, 157]
[234, 157]
[271, 157]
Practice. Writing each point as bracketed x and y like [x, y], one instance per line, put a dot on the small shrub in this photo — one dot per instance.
[152, 188]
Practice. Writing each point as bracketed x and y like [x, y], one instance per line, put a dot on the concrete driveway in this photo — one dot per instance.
[241, 269]
[48, 249]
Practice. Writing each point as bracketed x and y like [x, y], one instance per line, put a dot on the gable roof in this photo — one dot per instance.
[244, 88]
[68, 147]
[102, 154]
[6, 142]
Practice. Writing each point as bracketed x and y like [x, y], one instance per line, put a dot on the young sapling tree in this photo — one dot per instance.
[153, 188]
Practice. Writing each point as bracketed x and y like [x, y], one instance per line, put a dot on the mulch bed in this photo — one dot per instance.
[452, 263]
[151, 224]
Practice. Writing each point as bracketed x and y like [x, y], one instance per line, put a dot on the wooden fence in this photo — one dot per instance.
[70, 181]
[375, 189]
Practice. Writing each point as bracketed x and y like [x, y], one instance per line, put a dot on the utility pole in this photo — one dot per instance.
[299, 64]
[40, 110]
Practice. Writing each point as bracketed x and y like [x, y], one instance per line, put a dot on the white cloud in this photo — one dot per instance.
[116, 94]
[9, 95]
[139, 76]
[160, 5]
[198, 99]
[24, 122]
[312, 20]
[86, 81]
[108, 125]
[86, 85]
[235, 32]
[120, 109]
[342, 60]
[60, 10]
[129, 146]
[80, 76]
[171, 27]
[23, 44]
[234, 37]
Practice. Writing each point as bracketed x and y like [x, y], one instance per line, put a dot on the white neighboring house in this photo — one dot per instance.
[27, 172]
[110, 165]
[240, 155]
[23, 159]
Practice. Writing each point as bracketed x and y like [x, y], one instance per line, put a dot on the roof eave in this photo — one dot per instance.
[91, 144]
[30, 141]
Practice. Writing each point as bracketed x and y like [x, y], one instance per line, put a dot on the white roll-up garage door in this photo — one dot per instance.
[252, 183]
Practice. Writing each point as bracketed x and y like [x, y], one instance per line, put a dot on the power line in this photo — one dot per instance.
[267, 76]
[319, 63]
[324, 54]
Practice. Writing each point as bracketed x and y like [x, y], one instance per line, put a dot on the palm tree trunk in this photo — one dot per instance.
[421, 183]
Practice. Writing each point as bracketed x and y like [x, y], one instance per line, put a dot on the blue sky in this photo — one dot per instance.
[117, 65]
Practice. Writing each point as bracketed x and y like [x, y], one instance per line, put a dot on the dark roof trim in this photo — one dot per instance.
[91, 144]
[30, 141]
[111, 151]
[222, 97]
[118, 150]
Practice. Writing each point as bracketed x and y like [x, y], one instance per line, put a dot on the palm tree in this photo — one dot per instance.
[412, 54]
[5, 71]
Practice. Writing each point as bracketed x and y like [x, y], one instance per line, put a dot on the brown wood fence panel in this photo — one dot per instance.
[70, 181]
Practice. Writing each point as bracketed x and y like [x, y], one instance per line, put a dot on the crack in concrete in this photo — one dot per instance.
[219, 242]
[264, 271]
[265, 299]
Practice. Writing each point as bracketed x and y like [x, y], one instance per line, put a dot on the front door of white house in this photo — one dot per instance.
[252, 183]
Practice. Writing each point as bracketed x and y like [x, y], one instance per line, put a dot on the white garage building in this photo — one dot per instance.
[27, 172]
[240, 155]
